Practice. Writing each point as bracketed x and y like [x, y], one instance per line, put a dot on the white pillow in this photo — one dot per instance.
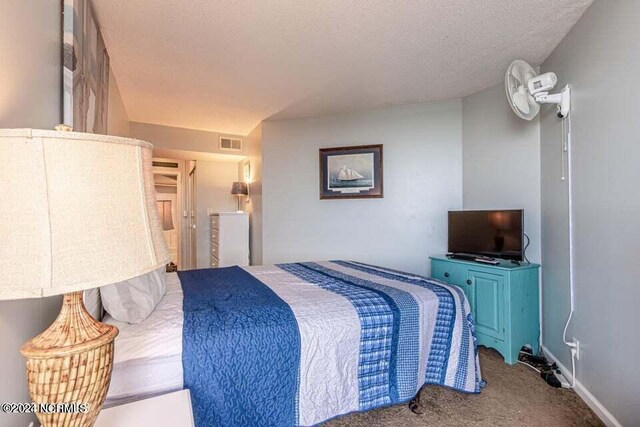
[134, 300]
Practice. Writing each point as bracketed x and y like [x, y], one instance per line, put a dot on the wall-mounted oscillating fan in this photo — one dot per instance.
[526, 90]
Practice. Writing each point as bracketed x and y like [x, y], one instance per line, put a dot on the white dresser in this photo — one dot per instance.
[229, 239]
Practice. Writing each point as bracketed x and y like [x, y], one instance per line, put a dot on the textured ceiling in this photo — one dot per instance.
[225, 65]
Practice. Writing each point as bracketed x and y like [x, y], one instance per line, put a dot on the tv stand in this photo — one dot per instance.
[503, 299]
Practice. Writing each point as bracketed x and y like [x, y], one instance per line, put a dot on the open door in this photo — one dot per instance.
[168, 208]
[191, 214]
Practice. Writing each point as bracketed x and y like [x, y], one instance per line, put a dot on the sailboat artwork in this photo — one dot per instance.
[351, 172]
[347, 174]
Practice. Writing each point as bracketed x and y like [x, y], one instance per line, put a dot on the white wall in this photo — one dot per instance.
[254, 205]
[600, 58]
[117, 118]
[422, 181]
[213, 187]
[501, 160]
[29, 97]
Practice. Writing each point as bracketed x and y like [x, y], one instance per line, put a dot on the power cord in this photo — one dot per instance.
[573, 347]
[566, 148]
[531, 366]
[524, 251]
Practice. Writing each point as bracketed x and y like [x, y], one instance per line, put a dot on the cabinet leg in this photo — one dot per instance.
[510, 358]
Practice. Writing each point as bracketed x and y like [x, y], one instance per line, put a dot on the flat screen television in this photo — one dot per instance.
[496, 233]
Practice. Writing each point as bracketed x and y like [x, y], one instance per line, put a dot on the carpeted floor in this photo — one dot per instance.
[514, 395]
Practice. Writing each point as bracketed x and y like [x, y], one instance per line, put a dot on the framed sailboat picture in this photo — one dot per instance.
[351, 172]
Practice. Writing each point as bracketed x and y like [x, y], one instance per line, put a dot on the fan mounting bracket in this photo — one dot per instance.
[562, 99]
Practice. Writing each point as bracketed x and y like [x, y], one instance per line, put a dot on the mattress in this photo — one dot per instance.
[148, 355]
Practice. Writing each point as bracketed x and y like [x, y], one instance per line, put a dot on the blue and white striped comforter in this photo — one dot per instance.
[298, 344]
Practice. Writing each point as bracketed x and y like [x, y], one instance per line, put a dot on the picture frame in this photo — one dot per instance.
[246, 171]
[354, 172]
[85, 69]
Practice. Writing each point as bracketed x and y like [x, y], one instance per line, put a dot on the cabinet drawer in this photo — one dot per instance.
[449, 272]
[215, 235]
[214, 262]
[215, 222]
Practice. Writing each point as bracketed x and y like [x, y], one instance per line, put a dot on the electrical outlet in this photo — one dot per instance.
[577, 344]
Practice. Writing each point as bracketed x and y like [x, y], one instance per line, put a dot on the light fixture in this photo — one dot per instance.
[240, 189]
[77, 212]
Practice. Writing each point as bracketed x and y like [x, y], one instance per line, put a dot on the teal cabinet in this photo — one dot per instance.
[503, 298]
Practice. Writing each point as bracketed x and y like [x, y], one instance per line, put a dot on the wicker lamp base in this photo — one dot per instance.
[70, 363]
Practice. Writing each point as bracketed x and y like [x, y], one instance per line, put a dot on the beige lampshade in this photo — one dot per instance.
[77, 211]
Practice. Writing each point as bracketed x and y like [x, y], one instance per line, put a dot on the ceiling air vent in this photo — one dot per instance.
[159, 164]
[234, 144]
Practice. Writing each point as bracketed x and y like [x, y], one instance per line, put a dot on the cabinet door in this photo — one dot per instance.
[487, 302]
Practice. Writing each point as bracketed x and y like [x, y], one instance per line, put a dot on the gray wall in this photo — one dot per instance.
[501, 160]
[170, 137]
[422, 181]
[29, 97]
[601, 59]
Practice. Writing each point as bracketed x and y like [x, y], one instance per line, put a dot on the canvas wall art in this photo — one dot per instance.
[351, 172]
[85, 69]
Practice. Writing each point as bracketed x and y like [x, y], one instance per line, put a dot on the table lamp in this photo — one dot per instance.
[77, 212]
[240, 189]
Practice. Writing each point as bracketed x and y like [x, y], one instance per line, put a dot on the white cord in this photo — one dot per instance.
[566, 147]
[566, 326]
[571, 227]
[531, 366]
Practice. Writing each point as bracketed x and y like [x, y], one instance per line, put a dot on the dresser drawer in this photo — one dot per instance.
[215, 222]
[215, 251]
[214, 262]
[449, 272]
[215, 235]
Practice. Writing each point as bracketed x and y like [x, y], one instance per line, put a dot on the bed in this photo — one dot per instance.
[296, 344]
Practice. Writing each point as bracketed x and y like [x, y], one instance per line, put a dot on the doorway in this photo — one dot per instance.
[175, 182]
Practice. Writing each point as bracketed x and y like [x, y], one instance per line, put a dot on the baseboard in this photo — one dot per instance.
[584, 393]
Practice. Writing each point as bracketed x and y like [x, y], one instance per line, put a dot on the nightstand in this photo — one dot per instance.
[168, 410]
